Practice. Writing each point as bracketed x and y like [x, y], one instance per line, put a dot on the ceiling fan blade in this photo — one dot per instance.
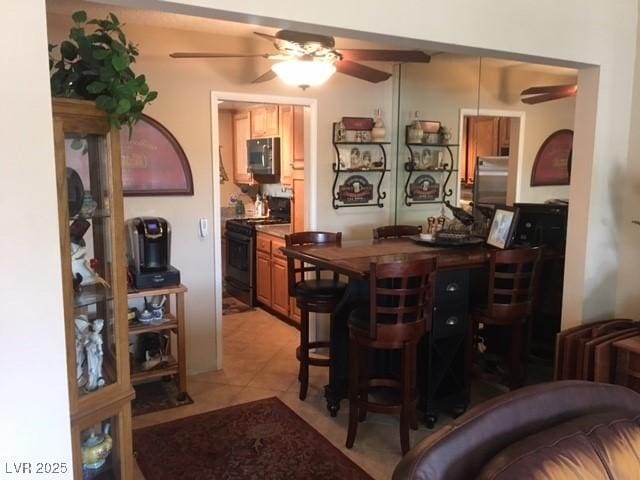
[266, 36]
[362, 72]
[216, 55]
[550, 89]
[546, 97]
[265, 77]
[416, 56]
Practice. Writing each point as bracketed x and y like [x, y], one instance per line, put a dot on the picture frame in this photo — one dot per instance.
[153, 162]
[503, 225]
[552, 165]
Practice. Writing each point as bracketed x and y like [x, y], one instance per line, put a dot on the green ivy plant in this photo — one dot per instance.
[97, 66]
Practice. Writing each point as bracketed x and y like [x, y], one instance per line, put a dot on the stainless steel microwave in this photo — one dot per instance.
[263, 156]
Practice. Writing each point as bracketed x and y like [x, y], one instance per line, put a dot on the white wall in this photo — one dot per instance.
[34, 402]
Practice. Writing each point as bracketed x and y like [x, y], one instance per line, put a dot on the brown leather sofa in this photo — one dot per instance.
[560, 430]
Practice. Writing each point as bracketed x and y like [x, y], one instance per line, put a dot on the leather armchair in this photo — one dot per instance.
[559, 430]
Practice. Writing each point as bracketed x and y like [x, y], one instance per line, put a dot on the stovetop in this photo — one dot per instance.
[247, 226]
[258, 221]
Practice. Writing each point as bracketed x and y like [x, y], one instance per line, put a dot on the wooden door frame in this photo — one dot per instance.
[487, 112]
[310, 179]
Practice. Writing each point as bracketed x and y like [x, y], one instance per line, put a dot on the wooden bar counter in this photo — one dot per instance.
[353, 258]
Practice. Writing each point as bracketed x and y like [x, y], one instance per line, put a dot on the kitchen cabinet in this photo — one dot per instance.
[271, 277]
[264, 121]
[297, 201]
[241, 133]
[298, 137]
[286, 144]
[291, 142]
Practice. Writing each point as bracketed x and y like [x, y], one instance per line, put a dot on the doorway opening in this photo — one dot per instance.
[247, 200]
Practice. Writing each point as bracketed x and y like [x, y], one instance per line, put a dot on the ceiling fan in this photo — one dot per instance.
[546, 94]
[306, 59]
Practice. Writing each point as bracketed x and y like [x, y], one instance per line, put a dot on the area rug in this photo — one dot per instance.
[264, 439]
[231, 305]
[155, 396]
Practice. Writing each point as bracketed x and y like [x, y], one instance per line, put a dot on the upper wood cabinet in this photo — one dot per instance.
[286, 144]
[298, 137]
[241, 133]
[264, 121]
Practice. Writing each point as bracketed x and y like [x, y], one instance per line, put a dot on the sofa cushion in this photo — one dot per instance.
[600, 446]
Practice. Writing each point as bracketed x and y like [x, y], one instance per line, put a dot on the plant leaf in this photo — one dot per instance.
[119, 62]
[101, 54]
[124, 106]
[114, 19]
[106, 103]
[68, 50]
[80, 16]
[151, 97]
[96, 87]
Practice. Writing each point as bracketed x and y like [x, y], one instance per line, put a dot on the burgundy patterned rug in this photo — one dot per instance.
[257, 440]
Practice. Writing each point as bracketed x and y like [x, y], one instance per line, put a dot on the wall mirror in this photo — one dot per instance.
[429, 101]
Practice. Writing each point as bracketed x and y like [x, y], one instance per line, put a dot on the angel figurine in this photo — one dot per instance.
[82, 339]
[95, 356]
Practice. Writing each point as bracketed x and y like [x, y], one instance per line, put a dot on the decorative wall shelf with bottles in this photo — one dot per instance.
[87, 156]
[359, 169]
[431, 165]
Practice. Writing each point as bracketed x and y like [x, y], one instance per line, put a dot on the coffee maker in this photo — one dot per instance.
[149, 252]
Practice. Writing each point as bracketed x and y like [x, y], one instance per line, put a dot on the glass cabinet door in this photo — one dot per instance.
[91, 248]
[93, 256]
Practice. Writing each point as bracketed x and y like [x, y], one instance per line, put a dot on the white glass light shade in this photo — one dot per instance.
[303, 73]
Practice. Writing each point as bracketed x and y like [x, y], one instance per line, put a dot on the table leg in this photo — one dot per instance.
[357, 292]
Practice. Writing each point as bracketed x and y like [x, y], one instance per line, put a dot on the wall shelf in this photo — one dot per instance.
[338, 200]
[447, 168]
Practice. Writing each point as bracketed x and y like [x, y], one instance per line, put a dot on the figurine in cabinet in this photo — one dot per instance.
[95, 356]
[82, 340]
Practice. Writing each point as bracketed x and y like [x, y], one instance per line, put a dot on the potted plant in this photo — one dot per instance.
[97, 66]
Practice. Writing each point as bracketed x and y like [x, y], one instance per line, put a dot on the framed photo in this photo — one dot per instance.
[153, 162]
[552, 165]
[502, 226]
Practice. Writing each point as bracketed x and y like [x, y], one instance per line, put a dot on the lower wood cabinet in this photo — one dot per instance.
[271, 277]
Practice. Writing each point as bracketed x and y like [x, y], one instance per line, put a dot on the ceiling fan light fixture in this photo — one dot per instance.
[304, 73]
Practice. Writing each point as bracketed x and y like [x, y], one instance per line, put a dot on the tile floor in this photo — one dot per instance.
[259, 362]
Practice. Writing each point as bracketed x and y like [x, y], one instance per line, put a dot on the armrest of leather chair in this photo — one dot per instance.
[459, 450]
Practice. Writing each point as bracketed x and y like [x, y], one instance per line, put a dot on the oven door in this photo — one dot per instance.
[239, 260]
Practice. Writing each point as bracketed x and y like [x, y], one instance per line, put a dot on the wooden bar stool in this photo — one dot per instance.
[319, 295]
[395, 231]
[512, 284]
[398, 315]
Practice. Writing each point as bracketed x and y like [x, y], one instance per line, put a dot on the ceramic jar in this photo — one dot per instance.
[95, 450]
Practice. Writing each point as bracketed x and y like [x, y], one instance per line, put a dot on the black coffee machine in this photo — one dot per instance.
[149, 252]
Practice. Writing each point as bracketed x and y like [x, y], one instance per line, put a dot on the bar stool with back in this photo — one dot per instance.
[397, 317]
[513, 275]
[317, 294]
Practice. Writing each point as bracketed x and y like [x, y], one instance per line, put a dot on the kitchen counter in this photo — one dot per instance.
[278, 230]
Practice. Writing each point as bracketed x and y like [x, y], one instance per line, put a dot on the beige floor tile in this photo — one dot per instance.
[279, 382]
[250, 394]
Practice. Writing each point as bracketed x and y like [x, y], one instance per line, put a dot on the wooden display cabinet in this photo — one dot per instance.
[88, 174]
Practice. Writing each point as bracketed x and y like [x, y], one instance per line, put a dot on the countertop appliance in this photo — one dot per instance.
[263, 156]
[240, 276]
[491, 181]
[149, 252]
